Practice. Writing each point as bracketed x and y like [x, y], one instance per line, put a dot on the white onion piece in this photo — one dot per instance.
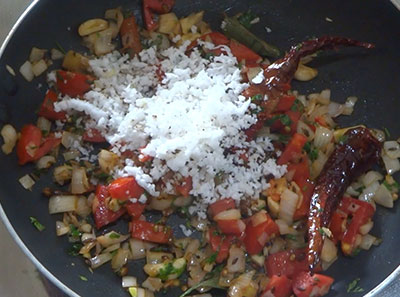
[236, 261]
[99, 260]
[108, 160]
[306, 130]
[231, 214]
[326, 265]
[45, 162]
[138, 249]
[71, 155]
[392, 149]
[111, 238]
[111, 248]
[351, 192]
[27, 182]
[364, 229]
[367, 241]
[379, 134]
[192, 247]
[129, 281]
[325, 97]
[88, 237]
[323, 136]
[119, 259]
[56, 54]
[240, 284]
[258, 218]
[369, 192]
[62, 203]
[391, 165]
[335, 109]
[43, 124]
[349, 105]
[68, 139]
[283, 227]
[26, 71]
[278, 245]
[39, 67]
[10, 138]
[318, 165]
[79, 181]
[329, 251]
[154, 284]
[371, 177]
[183, 201]
[117, 17]
[82, 207]
[383, 196]
[157, 257]
[36, 54]
[61, 228]
[288, 205]
[160, 203]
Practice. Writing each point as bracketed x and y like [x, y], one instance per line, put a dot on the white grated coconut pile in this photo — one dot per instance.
[188, 123]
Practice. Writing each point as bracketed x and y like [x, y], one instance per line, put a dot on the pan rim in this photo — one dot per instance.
[376, 291]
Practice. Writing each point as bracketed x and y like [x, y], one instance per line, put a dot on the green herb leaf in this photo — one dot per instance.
[387, 133]
[246, 19]
[60, 48]
[297, 106]
[74, 250]
[73, 231]
[257, 97]
[311, 152]
[114, 235]
[284, 118]
[83, 278]
[291, 237]
[37, 224]
[212, 258]
[210, 280]
[392, 187]
[353, 287]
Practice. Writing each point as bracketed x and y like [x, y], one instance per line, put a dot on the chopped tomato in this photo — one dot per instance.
[292, 117]
[220, 243]
[73, 84]
[130, 36]
[293, 149]
[93, 135]
[217, 38]
[185, 187]
[307, 285]
[278, 286]
[101, 213]
[288, 263]
[243, 53]
[31, 146]
[157, 6]
[285, 103]
[135, 210]
[321, 120]
[307, 189]
[150, 232]
[47, 108]
[220, 206]
[124, 188]
[256, 236]
[235, 227]
[338, 224]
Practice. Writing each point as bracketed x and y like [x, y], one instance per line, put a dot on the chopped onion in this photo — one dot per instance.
[278, 244]
[367, 241]
[62, 174]
[56, 54]
[240, 284]
[258, 218]
[383, 196]
[231, 214]
[236, 261]
[62, 203]
[391, 165]
[99, 260]
[111, 238]
[323, 136]
[108, 160]
[45, 162]
[335, 109]
[160, 203]
[325, 97]
[79, 181]
[88, 237]
[371, 177]
[71, 155]
[306, 130]
[27, 182]
[138, 249]
[364, 229]
[10, 138]
[369, 192]
[39, 67]
[182, 201]
[36, 54]
[305, 73]
[157, 257]
[329, 250]
[154, 284]
[61, 228]
[112, 247]
[43, 124]
[379, 134]
[10, 70]
[68, 139]
[349, 105]
[273, 206]
[288, 205]
[26, 71]
[192, 247]
[283, 227]
[82, 207]
[129, 281]
[326, 265]
[392, 149]
[119, 259]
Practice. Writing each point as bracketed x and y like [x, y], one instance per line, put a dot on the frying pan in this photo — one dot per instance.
[371, 75]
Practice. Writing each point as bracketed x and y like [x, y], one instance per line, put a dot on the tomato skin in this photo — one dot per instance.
[234, 227]
[307, 285]
[285, 103]
[220, 244]
[28, 143]
[101, 213]
[185, 187]
[135, 209]
[124, 188]
[147, 231]
[93, 135]
[157, 6]
[278, 286]
[220, 206]
[280, 263]
[130, 35]
[242, 52]
[293, 149]
[73, 84]
[253, 234]
[47, 108]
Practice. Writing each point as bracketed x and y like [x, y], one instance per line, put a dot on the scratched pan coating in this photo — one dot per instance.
[371, 75]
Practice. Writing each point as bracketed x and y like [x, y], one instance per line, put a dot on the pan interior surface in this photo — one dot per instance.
[371, 75]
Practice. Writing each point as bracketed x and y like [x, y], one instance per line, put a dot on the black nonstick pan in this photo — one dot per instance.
[371, 75]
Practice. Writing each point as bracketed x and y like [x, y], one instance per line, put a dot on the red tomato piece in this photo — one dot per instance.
[242, 52]
[220, 206]
[135, 210]
[235, 227]
[338, 224]
[257, 236]
[185, 187]
[285, 103]
[282, 263]
[93, 135]
[293, 149]
[47, 108]
[73, 84]
[124, 188]
[157, 6]
[101, 213]
[150, 232]
[307, 285]
[28, 143]
[130, 35]
[220, 244]
[307, 188]
[48, 144]
[278, 286]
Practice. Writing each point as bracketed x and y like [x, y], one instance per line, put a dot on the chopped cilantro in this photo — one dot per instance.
[291, 237]
[284, 118]
[166, 271]
[103, 177]
[212, 258]
[297, 106]
[74, 249]
[37, 224]
[83, 278]
[114, 235]
[355, 252]
[353, 287]
[395, 186]
[321, 231]
[73, 231]
[360, 189]
[209, 55]
[312, 152]
[257, 97]
[247, 18]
